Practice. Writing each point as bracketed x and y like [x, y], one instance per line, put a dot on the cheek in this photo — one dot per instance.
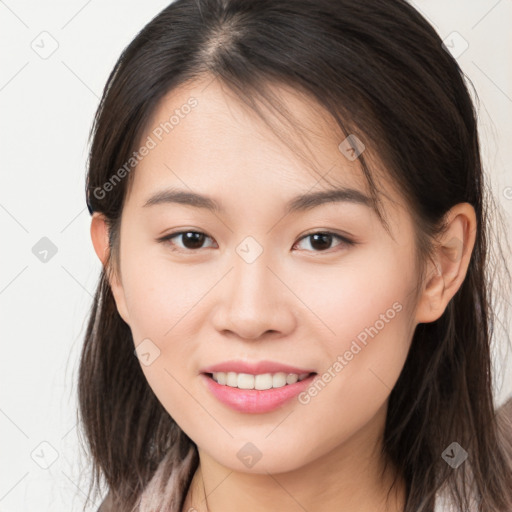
[367, 309]
[353, 295]
[161, 303]
[165, 303]
[160, 294]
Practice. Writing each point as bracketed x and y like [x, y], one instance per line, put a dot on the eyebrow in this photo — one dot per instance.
[299, 203]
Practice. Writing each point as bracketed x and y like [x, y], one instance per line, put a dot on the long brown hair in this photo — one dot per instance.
[383, 74]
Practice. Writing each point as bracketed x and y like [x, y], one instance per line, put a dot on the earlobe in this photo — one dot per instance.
[100, 241]
[449, 264]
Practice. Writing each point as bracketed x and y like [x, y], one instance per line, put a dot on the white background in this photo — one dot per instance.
[47, 106]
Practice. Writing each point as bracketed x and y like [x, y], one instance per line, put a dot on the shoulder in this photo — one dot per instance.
[506, 409]
[168, 484]
[106, 504]
[504, 420]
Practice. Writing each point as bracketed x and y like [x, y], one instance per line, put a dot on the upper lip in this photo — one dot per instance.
[254, 368]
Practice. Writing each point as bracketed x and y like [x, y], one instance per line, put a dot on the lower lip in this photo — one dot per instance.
[253, 400]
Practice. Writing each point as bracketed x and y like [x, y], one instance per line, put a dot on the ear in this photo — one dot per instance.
[447, 271]
[100, 241]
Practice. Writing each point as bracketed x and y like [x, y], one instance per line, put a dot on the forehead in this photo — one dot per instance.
[203, 137]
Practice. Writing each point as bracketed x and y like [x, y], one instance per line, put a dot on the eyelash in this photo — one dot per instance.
[345, 241]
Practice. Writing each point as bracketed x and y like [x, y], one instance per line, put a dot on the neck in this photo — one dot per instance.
[351, 478]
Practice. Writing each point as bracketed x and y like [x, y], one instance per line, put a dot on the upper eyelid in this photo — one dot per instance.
[182, 232]
[342, 238]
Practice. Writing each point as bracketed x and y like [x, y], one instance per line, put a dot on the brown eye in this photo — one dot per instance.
[191, 240]
[194, 240]
[322, 241]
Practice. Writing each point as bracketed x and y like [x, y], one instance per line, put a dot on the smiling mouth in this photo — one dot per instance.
[259, 382]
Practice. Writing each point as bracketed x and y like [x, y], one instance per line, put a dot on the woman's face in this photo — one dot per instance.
[252, 286]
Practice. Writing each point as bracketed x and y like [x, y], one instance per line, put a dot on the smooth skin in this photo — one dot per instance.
[298, 303]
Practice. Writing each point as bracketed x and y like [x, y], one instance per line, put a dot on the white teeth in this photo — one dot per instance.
[232, 379]
[260, 382]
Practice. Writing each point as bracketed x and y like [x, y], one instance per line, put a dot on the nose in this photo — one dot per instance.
[254, 300]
